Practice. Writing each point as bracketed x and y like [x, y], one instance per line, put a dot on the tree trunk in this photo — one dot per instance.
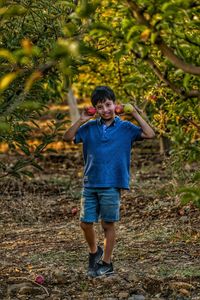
[164, 145]
[73, 108]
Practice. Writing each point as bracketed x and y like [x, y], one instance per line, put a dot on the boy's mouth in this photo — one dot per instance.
[107, 114]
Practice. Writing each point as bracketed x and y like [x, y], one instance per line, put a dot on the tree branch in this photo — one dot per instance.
[136, 12]
[189, 120]
[176, 61]
[166, 51]
[162, 77]
[119, 72]
[184, 94]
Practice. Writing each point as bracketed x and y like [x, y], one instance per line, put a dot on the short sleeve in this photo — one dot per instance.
[81, 134]
[136, 132]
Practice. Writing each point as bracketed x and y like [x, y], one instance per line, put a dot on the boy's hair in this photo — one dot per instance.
[101, 94]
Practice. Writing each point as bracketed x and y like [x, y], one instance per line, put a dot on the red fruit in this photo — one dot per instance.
[74, 211]
[91, 111]
[153, 97]
[119, 109]
[39, 279]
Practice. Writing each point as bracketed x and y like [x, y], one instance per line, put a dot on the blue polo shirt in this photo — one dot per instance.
[107, 152]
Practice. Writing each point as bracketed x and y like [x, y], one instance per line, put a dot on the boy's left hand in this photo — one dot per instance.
[123, 109]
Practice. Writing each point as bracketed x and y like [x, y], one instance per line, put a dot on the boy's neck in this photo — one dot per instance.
[108, 122]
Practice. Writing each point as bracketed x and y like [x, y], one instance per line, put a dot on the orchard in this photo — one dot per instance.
[148, 53]
[54, 53]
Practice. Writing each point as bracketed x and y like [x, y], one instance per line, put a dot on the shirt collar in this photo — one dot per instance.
[101, 121]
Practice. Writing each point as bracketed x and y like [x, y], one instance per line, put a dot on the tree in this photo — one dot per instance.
[40, 49]
[153, 60]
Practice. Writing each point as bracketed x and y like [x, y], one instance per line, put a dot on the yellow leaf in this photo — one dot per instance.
[147, 16]
[30, 267]
[27, 46]
[17, 270]
[145, 35]
[3, 10]
[29, 82]
[8, 55]
[6, 80]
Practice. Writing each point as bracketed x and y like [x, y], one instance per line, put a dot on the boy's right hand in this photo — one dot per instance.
[87, 113]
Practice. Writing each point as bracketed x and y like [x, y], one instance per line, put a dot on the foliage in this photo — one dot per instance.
[152, 60]
[40, 49]
[191, 192]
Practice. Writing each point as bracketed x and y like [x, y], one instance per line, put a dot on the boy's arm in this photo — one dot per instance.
[147, 131]
[70, 133]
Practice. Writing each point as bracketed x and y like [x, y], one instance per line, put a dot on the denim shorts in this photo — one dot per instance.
[101, 203]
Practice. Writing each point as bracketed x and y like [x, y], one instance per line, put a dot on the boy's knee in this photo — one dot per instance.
[86, 226]
[107, 225]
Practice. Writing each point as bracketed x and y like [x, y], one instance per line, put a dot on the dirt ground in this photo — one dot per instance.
[157, 253]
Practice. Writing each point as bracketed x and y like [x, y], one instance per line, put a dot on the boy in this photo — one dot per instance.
[107, 143]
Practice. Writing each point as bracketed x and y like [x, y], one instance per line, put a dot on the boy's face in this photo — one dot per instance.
[106, 109]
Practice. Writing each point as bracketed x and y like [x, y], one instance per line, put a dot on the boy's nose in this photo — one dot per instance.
[105, 108]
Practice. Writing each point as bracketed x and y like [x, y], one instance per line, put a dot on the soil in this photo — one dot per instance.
[157, 252]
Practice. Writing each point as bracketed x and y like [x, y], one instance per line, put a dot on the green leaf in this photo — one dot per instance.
[196, 176]
[40, 147]
[186, 81]
[19, 165]
[179, 72]
[4, 127]
[118, 54]
[85, 8]
[154, 36]
[190, 194]
[60, 116]
[25, 150]
[23, 128]
[27, 173]
[126, 23]
[12, 10]
[30, 105]
[34, 164]
[168, 6]
[49, 150]
[101, 27]
[135, 30]
[15, 174]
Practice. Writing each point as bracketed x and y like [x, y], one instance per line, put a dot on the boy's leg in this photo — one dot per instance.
[90, 236]
[105, 267]
[109, 211]
[89, 214]
[95, 252]
[109, 240]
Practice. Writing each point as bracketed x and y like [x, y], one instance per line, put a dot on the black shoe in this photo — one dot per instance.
[94, 258]
[104, 269]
